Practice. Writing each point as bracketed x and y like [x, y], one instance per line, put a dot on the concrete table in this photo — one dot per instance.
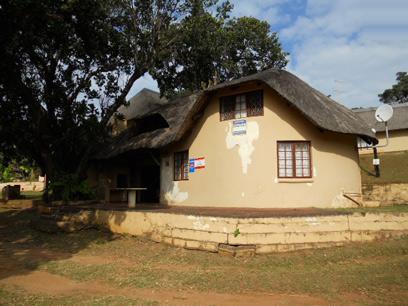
[131, 194]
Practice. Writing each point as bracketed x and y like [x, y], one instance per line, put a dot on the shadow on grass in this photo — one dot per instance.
[23, 249]
[366, 171]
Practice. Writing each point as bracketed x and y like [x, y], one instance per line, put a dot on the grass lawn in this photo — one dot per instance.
[393, 168]
[34, 195]
[95, 267]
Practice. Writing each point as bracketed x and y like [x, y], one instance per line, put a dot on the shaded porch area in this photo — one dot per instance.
[133, 176]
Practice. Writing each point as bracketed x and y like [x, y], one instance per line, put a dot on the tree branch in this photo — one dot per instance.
[120, 100]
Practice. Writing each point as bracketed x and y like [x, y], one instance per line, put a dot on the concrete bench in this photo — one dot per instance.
[131, 194]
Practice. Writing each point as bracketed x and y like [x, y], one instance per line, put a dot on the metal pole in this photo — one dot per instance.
[376, 167]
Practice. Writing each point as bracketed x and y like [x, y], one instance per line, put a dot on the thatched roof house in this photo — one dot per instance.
[265, 140]
[180, 113]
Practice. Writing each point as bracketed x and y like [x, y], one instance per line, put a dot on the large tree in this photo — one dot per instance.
[398, 93]
[214, 47]
[67, 65]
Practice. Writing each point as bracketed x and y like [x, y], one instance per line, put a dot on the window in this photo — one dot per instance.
[181, 166]
[294, 160]
[241, 106]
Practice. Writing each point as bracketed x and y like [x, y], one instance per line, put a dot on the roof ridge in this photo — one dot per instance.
[373, 108]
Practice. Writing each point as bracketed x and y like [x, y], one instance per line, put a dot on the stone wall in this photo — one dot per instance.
[266, 235]
[386, 194]
[26, 186]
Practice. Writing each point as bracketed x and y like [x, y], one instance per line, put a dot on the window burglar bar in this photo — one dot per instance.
[294, 160]
[241, 106]
[181, 166]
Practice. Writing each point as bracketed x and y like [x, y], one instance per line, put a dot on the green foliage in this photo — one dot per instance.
[54, 53]
[399, 92]
[67, 66]
[16, 171]
[207, 48]
[70, 187]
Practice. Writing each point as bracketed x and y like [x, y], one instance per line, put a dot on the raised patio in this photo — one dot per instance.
[257, 230]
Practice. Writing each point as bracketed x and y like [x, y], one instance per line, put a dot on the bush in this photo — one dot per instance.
[70, 188]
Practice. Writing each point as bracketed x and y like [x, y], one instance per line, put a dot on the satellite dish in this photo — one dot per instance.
[384, 113]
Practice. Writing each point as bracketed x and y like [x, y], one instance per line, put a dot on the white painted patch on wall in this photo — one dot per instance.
[312, 221]
[200, 225]
[339, 201]
[314, 172]
[244, 142]
[276, 180]
[175, 195]
[169, 190]
[243, 194]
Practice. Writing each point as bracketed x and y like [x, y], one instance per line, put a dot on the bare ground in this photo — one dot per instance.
[94, 264]
[43, 282]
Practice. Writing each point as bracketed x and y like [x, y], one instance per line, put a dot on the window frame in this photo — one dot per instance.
[293, 144]
[183, 153]
[223, 99]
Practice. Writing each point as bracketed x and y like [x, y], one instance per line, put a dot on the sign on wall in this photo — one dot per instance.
[199, 163]
[239, 127]
[191, 165]
[196, 163]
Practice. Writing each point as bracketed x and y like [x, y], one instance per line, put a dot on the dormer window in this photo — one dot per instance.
[241, 106]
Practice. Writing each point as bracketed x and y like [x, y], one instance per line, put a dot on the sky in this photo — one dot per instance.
[349, 49]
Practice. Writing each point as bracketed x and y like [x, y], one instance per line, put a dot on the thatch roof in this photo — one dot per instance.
[322, 111]
[142, 103]
[399, 120]
[180, 113]
[175, 113]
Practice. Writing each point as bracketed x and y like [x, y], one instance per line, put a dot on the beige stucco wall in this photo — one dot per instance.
[398, 141]
[241, 171]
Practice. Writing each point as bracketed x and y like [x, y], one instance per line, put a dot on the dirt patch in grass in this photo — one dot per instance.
[97, 260]
[41, 282]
